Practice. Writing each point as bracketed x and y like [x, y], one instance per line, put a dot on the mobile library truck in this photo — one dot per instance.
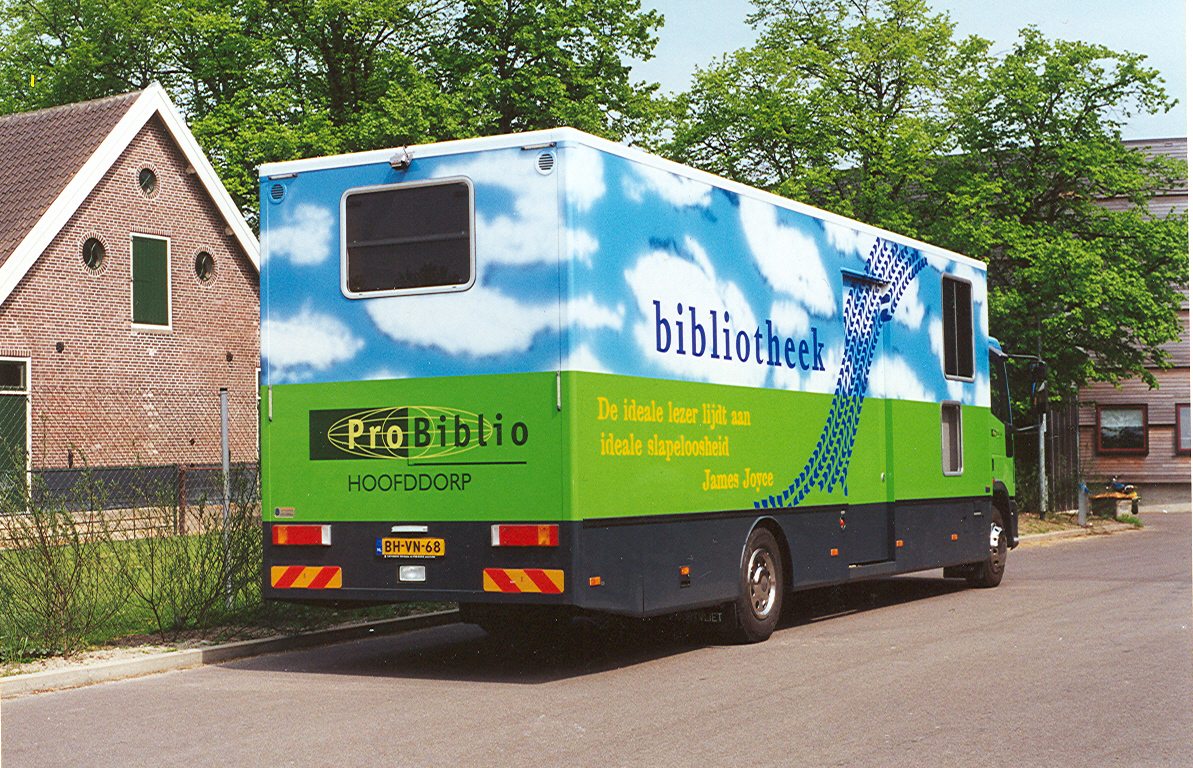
[545, 373]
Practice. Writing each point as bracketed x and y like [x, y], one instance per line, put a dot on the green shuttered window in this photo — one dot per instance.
[14, 432]
[151, 281]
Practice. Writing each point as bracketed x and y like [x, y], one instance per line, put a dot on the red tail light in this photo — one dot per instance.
[525, 535]
[302, 535]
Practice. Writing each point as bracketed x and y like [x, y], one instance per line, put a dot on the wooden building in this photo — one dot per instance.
[1128, 431]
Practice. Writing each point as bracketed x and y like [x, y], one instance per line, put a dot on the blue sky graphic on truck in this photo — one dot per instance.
[579, 269]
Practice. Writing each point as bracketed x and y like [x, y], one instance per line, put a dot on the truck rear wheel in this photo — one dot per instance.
[988, 572]
[760, 592]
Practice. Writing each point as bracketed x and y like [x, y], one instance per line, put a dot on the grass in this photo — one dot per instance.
[162, 612]
[1067, 521]
[74, 581]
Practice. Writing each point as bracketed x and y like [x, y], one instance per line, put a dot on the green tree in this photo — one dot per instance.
[63, 51]
[841, 103]
[1041, 150]
[871, 109]
[520, 65]
[268, 80]
[316, 77]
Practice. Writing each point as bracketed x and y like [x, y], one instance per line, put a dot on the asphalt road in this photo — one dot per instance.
[1083, 657]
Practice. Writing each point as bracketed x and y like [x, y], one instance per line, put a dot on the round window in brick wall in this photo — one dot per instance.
[93, 253]
[204, 267]
[147, 180]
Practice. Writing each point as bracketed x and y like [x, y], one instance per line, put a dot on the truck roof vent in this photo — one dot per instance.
[546, 162]
[277, 192]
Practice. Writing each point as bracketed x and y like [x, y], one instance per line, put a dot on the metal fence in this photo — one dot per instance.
[108, 448]
[1061, 460]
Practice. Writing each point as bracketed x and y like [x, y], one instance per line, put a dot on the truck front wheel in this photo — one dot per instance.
[988, 572]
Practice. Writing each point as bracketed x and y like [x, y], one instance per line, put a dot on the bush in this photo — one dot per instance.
[192, 581]
[59, 580]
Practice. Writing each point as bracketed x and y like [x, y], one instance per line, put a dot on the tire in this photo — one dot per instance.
[760, 589]
[988, 572]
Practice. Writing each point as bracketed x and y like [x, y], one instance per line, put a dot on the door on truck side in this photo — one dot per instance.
[866, 521]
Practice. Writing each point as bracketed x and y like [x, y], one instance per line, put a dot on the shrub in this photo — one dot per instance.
[59, 579]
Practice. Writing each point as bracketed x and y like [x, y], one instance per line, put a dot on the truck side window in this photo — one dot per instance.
[1000, 396]
[409, 238]
[958, 327]
[951, 441]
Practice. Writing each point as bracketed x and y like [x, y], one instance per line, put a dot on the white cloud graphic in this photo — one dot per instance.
[911, 310]
[674, 282]
[306, 341]
[790, 319]
[581, 246]
[896, 379]
[477, 322]
[528, 234]
[850, 241]
[587, 313]
[583, 359]
[787, 258]
[483, 320]
[515, 237]
[384, 374]
[672, 188]
[585, 176]
[305, 237]
[525, 238]
[936, 339]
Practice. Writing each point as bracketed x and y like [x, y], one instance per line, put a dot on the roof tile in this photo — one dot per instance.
[40, 152]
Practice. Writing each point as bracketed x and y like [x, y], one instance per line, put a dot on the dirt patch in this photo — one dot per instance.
[1032, 524]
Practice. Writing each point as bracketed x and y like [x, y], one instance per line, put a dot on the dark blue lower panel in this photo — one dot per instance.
[651, 565]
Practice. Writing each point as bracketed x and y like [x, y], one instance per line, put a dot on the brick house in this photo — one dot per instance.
[129, 293]
[1141, 435]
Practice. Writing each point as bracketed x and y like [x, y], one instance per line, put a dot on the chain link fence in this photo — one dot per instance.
[136, 445]
[116, 514]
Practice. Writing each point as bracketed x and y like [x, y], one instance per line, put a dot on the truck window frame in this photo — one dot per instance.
[964, 346]
[952, 438]
[415, 290]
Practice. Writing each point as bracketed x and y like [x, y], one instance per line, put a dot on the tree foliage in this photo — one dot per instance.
[873, 109]
[519, 65]
[869, 108]
[841, 104]
[1090, 284]
[268, 80]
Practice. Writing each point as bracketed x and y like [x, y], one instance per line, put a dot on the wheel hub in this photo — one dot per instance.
[762, 583]
[998, 547]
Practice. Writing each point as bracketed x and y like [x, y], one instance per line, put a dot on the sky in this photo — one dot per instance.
[699, 31]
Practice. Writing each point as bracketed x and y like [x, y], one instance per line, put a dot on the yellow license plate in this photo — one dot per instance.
[411, 547]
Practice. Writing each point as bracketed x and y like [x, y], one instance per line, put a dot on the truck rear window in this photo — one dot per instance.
[409, 238]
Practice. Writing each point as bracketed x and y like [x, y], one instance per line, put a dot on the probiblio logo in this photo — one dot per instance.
[407, 432]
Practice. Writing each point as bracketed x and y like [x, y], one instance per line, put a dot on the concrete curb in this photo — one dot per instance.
[74, 677]
[1075, 533]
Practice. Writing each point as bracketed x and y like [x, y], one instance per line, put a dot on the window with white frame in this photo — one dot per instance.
[951, 439]
[957, 326]
[1122, 429]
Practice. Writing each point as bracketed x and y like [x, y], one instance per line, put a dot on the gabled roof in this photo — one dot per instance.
[51, 159]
